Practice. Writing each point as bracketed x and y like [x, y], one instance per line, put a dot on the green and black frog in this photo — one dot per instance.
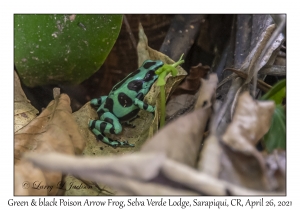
[124, 102]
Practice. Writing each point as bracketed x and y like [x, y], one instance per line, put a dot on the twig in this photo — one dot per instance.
[271, 40]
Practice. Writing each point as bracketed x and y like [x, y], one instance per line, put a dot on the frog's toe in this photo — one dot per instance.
[151, 109]
[127, 144]
[124, 143]
[92, 123]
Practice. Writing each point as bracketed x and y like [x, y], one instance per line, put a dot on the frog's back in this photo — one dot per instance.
[120, 100]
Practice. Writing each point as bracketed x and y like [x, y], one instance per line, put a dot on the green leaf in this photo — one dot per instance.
[62, 49]
[277, 92]
[276, 136]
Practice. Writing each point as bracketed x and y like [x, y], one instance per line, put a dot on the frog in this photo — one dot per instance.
[124, 102]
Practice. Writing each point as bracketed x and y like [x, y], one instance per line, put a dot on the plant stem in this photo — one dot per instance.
[162, 106]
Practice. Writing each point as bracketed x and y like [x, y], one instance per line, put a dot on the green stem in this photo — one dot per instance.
[162, 72]
[162, 106]
[180, 61]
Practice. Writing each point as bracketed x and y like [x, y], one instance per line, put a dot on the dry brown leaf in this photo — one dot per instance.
[141, 174]
[53, 130]
[191, 83]
[242, 163]
[27, 177]
[24, 112]
[250, 122]
[93, 148]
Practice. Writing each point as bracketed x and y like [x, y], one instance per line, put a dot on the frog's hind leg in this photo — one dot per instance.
[109, 141]
[108, 123]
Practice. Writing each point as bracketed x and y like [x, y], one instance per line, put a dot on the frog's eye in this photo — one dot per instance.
[149, 76]
[148, 64]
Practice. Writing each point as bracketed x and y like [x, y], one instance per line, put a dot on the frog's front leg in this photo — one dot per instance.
[108, 123]
[141, 104]
[98, 101]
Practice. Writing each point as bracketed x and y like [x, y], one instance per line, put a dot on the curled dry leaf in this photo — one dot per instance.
[191, 83]
[24, 112]
[251, 121]
[242, 163]
[53, 130]
[141, 174]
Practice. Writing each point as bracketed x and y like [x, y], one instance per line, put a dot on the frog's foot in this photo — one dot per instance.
[113, 143]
